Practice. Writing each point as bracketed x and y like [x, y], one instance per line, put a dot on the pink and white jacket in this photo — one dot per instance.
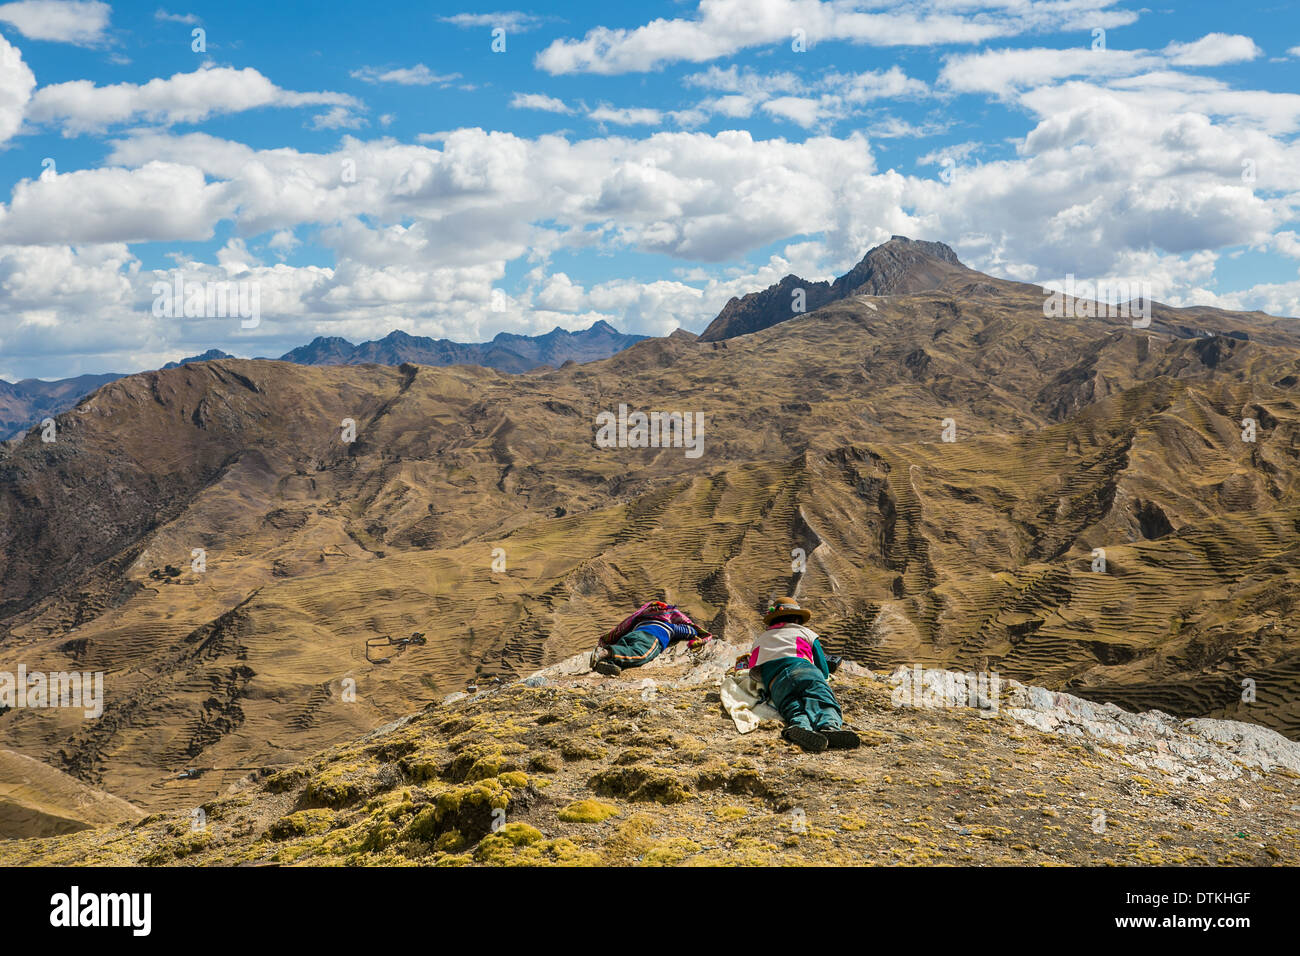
[788, 640]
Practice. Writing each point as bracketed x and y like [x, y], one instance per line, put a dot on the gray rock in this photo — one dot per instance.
[1196, 751]
[1041, 699]
[853, 669]
[577, 664]
[1255, 746]
[388, 728]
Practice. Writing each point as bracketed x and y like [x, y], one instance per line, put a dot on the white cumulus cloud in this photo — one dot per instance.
[79, 106]
[626, 116]
[82, 22]
[539, 101]
[1213, 49]
[724, 27]
[16, 84]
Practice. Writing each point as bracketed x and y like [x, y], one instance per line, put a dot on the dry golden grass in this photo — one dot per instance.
[675, 784]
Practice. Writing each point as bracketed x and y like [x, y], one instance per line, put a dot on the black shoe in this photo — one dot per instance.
[809, 740]
[841, 738]
[608, 668]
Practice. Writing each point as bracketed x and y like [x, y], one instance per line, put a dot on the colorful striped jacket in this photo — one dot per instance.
[655, 611]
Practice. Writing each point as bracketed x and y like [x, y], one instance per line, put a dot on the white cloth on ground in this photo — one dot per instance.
[740, 696]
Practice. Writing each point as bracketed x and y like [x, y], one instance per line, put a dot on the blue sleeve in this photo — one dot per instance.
[683, 630]
[820, 659]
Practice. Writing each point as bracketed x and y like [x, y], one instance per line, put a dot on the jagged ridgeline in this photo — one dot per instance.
[23, 404]
[476, 507]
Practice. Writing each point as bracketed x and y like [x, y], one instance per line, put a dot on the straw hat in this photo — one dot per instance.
[786, 607]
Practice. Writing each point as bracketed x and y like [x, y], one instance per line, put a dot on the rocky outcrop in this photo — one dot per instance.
[1198, 750]
[898, 267]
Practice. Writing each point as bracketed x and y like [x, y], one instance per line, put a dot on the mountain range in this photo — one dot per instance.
[944, 475]
[24, 403]
[507, 352]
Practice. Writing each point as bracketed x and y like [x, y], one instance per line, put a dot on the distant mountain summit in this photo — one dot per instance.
[897, 267]
[211, 355]
[507, 352]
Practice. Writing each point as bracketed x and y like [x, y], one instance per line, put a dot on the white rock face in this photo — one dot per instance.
[577, 664]
[388, 728]
[1199, 750]
[1258, 746]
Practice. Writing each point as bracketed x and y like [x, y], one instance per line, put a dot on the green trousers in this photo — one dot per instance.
[800, 692]
[635, 648]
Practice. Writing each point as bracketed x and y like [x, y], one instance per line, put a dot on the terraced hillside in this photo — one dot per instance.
[476, 509]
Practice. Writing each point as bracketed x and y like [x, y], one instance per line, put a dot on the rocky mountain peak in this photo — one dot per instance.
[899, 266]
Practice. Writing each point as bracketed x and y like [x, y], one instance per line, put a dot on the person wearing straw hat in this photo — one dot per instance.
[792, 668]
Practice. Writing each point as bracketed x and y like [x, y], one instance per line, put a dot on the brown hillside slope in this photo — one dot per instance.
[36, 800]
[823, 433]
[574, 769]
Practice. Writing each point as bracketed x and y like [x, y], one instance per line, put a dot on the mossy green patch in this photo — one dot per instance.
[572, 748]
[300, 824]
[640, 783]
[671, 852]
[587, 811]
[279, 782]
[472, 810]
[178, 848]
[450, 842]
[633, 755]
[335, 786]
[499, 847]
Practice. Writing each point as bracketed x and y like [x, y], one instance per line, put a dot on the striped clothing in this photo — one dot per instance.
[665, 631]
[635, 648]
[667, 616]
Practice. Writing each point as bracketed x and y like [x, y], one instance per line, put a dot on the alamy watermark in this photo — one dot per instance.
[37, 689]
[938, 689]
[75, 908]
[1105, 298]
[651, 430]
[209, 299]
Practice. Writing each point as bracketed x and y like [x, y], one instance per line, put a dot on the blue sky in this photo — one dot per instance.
[366, 171]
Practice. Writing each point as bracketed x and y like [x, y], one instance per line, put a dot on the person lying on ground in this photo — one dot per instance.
[641, 636]
[789, 663]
